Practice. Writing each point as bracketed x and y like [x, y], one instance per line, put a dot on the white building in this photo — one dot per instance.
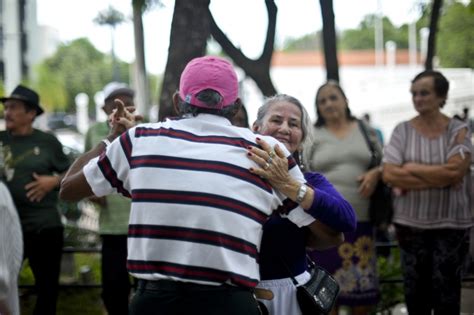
[381, 91]
[24, 43]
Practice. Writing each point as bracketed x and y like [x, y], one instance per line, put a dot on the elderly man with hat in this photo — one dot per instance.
[114, 214]
[197, 212]
[34, 166]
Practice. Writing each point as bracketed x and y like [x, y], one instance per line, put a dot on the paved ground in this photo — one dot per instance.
[467, 302]
[467, 299]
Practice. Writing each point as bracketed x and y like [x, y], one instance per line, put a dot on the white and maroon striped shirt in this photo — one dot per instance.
[197, 212]
[434, 208]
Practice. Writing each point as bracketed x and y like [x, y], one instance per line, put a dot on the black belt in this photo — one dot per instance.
[170, 285]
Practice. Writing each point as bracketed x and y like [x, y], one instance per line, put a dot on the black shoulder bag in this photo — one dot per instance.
[381, 206]
[318, 295]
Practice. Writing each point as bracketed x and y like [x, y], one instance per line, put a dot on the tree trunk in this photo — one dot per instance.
[259, 69]
[141, 82]
[329, 40]
[188, 40]
[435, 11]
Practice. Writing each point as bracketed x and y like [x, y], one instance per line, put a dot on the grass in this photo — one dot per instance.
[75, 301]
[389, 268]
[71, 301]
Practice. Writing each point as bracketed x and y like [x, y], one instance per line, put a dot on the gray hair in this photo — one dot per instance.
[305, 120]
[211, 98]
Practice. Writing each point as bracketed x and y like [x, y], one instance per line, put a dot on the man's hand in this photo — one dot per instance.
[40, 186]
[122, 119]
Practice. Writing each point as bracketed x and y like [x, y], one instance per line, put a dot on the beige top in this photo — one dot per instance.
[342, 161]
[435, 208]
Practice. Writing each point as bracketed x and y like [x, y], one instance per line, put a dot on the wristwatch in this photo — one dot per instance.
[301, 193]
[106, 142]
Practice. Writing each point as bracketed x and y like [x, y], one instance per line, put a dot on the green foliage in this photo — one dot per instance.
[311, 41]
[75, 67]
[454, 39]
[154, 82]
[455, 47]
[110, 17]
[71, 301]
[354, 39]
[389, 269]
[363, 36]
[51, 88]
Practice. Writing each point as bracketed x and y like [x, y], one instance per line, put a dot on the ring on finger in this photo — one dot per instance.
[270, 160]
[272, 154]
[266, 166]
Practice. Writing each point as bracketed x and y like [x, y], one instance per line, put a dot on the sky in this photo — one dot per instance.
[244, 21]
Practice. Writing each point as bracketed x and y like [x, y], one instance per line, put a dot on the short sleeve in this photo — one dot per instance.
[60, 161]
[455, 145]
[109, 172]
[393, 151]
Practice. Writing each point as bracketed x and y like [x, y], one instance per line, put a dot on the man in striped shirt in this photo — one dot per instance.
[197, 212]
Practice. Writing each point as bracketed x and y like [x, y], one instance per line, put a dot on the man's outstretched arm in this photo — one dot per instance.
[74, 185]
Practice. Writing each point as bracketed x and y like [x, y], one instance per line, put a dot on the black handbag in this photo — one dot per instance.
[318, 295]
[381, 203]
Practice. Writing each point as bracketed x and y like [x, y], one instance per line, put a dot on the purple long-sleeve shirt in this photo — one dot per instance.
[283, 240]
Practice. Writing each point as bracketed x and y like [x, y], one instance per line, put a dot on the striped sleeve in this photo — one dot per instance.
[393, 151]
[455, 146]
[108, 173]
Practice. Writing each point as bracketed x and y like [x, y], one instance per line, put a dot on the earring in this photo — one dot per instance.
[300, 160]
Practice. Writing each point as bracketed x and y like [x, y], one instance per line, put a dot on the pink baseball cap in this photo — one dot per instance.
[209, 72]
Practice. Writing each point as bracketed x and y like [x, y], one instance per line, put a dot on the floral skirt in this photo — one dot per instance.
[354, 265]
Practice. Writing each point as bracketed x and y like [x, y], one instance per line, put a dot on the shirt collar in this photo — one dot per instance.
[211, 118]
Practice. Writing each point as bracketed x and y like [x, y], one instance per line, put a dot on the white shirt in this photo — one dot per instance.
[197, 212]
[11, 251]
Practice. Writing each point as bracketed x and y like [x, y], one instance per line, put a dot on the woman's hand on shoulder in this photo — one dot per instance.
[272, 162]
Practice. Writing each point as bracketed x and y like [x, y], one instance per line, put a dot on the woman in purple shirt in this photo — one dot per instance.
[328, 214]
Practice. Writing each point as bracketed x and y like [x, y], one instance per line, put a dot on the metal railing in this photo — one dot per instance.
[97, 250]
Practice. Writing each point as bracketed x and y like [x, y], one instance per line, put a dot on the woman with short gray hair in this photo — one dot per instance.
[328, 214]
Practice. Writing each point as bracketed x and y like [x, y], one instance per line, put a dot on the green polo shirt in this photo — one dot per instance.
[39, 153]
[114, 216]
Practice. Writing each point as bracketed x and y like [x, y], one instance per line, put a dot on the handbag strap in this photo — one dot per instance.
[370, 144]
[311, 265]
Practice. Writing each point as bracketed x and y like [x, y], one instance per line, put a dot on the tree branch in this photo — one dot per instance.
[259, 69]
